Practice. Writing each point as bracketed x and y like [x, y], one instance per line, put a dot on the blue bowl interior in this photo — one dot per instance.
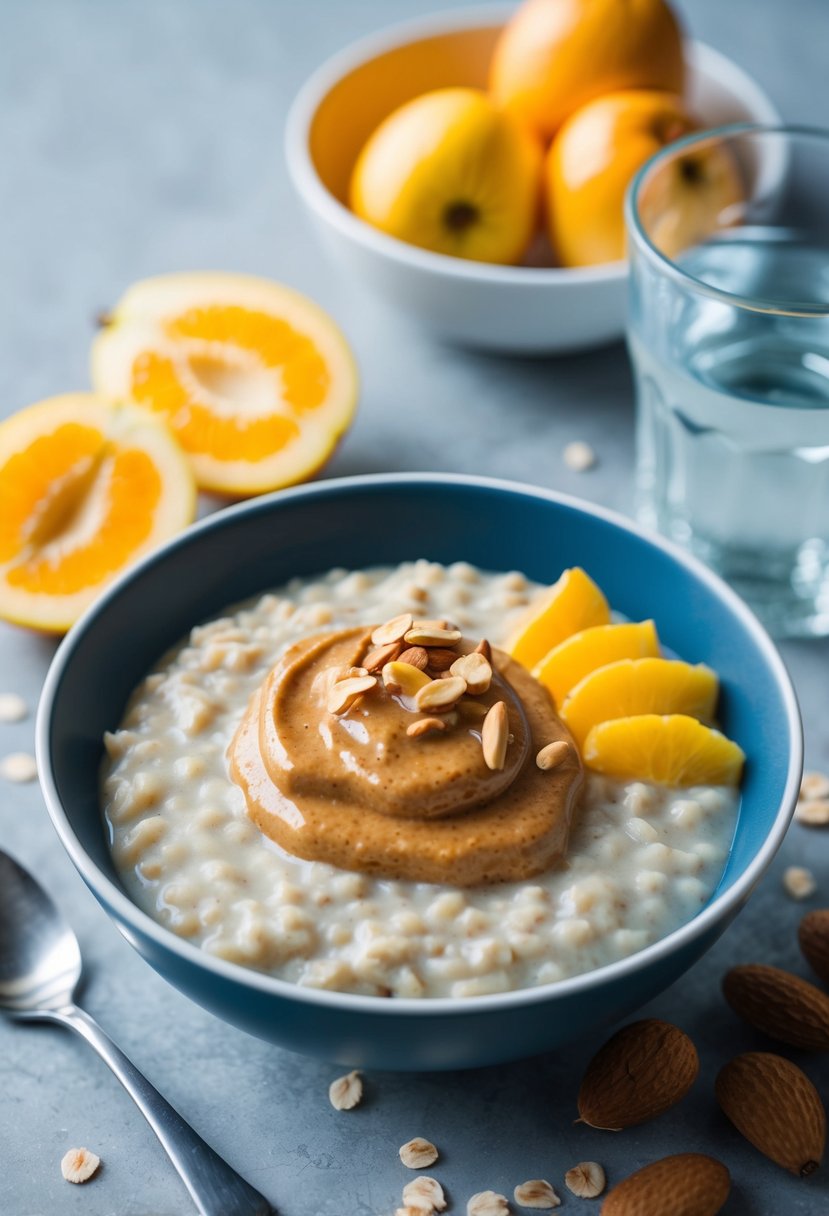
[379, 521]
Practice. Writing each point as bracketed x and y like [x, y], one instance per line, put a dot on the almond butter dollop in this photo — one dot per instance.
[358, 788]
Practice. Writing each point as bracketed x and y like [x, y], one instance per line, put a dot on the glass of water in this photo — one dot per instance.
[728, 331]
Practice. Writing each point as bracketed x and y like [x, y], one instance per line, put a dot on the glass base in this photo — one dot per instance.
[788, 591]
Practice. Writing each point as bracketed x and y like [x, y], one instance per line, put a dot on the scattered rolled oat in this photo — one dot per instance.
[12, 707]
[424, 1195]
[487, 1203]
[814, 812]
[579, 456]
[19, 767]
[346, 1092]
[418, 1153]
[814, 785]
[799, 882]
[537, 1193]
[587, 1179]
[79, 1164]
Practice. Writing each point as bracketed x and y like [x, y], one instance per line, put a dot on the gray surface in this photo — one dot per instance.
[142, 138]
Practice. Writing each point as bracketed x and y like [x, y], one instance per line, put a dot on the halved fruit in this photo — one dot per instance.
[254, 380]
[571, 604]
[672, 750]
[574, 658]
[639, 686]
[85, 488]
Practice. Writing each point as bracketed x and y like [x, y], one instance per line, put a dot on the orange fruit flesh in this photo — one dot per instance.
[672, 749]
[572, 604]
[254, 381]
[639, 686]
[85, 488]
[575, 657]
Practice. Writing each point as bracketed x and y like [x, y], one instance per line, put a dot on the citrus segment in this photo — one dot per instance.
[673, 749]
[574, 658]
[572, 604]
[640, 686]
[85, 488]
[256, 382]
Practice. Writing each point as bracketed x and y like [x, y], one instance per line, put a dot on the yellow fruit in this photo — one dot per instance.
[671, 750]
[639, 686]
[86, 487]
[556, 55]
[577, 656]
[591, 162]
[572, 604]
[254, 380]
[451, 173]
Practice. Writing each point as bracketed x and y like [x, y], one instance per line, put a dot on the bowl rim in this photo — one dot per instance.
[322, 80]
[130, 919]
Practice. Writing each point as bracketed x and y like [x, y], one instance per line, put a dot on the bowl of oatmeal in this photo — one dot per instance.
[307, 759]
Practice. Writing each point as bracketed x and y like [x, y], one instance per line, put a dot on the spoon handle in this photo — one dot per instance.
[216, 1189]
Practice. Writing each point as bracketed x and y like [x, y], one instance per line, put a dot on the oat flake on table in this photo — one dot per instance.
[79, 1164]
[537, 1193]
[418, 1153]
[587, 1179]
[19, 767]
[487, 1203]
[346, 1092]
[12, 707]
[424, 1195]
[799, 882]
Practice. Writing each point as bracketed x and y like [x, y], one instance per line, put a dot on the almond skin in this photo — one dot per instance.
[688, 1184]
[813, 935]
[643, 1070]
[776, 1107]
[780, 1004]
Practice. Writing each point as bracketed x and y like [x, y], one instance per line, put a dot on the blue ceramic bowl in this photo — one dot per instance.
[363, 521]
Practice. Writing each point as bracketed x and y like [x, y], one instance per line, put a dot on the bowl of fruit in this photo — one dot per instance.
[471, 167]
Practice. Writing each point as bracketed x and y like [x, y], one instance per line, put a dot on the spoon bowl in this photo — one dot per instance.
[40, 959]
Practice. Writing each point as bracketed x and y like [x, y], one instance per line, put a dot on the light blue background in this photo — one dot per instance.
[138, 138]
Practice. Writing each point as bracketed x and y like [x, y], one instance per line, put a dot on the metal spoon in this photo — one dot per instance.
[40, 966]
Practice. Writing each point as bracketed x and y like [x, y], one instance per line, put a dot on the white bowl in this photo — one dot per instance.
[522, 309]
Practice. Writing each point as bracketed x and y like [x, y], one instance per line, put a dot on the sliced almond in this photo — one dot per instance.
[441, 658]
[421, 635]
[79, 1164]
[537, 1193]
[476, 670]
[487, 1203]
[393, 630]
[424, 1195]
[553, 755]
[347, 673]
[417, 1154]
[423, 622]
[415, 656]
[346, 1092]
[425, 726]
[404, 679]
[814, 812]
[440, 694]
[346, 692]
[587, 1179]
[495, 736]
[485, 649]
[377, 658]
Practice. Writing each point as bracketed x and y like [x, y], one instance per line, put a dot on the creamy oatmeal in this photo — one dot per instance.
[642, 859]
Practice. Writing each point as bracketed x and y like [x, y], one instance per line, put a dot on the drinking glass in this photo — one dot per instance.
[728, 332]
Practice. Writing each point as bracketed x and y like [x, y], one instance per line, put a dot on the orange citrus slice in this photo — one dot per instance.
[639, 686]
[575, 657]
[572, 604]
[254, 380]
[85, 488]
[673, 749]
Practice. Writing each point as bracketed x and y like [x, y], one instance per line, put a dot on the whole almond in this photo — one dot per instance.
[415, 656]
[642, 1071]
[485, 649]
[440, 658]
[779, 1004]
[687, 1184]
[813, 935]
[776, 1107]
